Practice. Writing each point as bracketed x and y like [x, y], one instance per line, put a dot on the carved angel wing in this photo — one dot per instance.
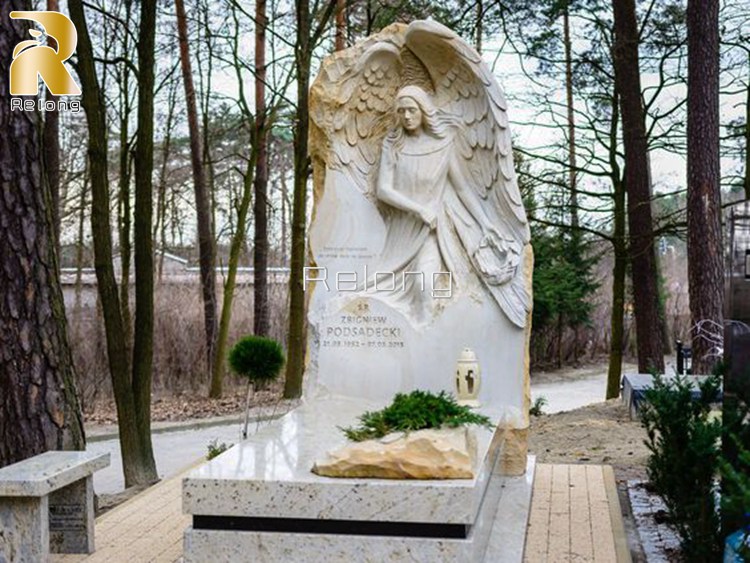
[490, 217]
[364, 113]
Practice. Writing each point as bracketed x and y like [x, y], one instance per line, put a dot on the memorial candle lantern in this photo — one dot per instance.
[467, 378]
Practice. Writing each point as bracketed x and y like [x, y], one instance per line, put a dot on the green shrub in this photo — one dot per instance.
[685, 454]
[215, 449]
[258, 358]
[537, 409]
[417, 410]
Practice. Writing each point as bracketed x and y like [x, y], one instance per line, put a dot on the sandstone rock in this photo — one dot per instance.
[515, 450]
[447, 453]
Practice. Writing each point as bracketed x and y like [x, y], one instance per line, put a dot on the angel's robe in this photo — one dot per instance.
[419, 172]
[428, 172]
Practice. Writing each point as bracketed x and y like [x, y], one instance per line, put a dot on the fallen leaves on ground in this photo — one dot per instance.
[186, 406]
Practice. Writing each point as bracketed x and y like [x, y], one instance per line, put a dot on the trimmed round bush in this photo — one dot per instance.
[258, 358]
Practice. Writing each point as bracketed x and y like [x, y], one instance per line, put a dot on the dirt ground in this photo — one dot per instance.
[186, 406]
[600, 433]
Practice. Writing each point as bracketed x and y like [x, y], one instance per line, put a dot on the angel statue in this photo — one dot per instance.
[420, 128]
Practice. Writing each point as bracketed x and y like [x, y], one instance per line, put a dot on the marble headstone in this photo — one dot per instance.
[419, 242]
[414, 184]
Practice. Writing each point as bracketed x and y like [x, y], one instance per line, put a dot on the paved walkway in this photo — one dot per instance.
[575, 516]
[173, 450]
[146, 528]
[581, 387]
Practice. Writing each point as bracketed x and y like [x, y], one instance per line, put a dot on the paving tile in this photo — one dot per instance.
[537, 537]
[574, 517]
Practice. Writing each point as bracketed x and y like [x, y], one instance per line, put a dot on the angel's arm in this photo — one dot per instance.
[390, 196]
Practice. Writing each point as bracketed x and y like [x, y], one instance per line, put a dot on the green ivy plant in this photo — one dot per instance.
[417, 410]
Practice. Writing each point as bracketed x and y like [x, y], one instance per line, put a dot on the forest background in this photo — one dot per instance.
[179, 196]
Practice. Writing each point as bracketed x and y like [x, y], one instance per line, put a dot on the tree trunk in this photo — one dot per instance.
[202, 201]
[125, 239]
[205, 96]
[296, 345]
[159, 229]
[619, 269]
[79, 253]
[138, 462]
[704, 243]
[340, 43]
[39, 408]
[571, 119]
[638, 186]
[746, 181]
[143, 338]
[217, 377]
[284, 212]
[125, 211]
[260, 204]
[479, 29]
[295, 364]
[575, 243]
[614, 371]
[52, 148]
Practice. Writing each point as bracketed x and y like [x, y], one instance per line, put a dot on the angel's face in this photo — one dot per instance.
[409, 114]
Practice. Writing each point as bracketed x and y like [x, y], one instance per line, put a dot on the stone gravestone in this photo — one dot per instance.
[419, 240]
[420, 248]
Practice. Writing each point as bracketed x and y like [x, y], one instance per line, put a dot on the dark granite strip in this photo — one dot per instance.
[348, 527]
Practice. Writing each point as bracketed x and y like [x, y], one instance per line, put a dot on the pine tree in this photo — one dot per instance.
[39, 409]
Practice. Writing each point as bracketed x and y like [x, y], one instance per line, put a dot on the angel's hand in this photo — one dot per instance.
[492, 234]
[429, 217]
[494, 261]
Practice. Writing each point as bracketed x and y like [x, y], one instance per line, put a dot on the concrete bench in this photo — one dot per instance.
[47, 505]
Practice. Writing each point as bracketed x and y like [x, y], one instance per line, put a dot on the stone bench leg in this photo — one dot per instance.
[24, 530]
[71, 518]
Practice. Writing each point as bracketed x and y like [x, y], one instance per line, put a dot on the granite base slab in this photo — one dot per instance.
[259, 500]
[508, 535]
[498, 536]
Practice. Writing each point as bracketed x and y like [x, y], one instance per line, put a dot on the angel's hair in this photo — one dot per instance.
[436, 122]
